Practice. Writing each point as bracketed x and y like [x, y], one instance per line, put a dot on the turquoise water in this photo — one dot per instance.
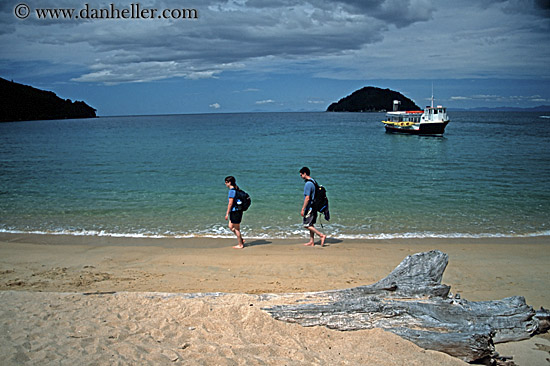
[163, 176]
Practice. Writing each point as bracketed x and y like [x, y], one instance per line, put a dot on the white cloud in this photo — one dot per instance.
[267, 101]
[215, 105]
[339, 39]
[248, 90]
[501, 98]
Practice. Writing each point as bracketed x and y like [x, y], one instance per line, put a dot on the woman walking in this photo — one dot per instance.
[233, 214]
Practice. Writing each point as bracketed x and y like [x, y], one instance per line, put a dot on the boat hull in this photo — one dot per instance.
[432, 128]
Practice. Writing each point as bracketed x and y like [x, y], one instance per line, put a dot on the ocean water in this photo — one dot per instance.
[163, 176]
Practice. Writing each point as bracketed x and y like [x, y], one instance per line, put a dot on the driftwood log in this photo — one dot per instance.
[412, 303]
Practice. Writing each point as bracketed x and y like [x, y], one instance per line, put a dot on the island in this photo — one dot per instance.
[20, 102]
[372, 99]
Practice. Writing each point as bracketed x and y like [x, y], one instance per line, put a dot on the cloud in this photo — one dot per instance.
[215, 105]
[247, 90]
[400, 13]
[228, 35]
[501, 98]
[267, 101]
[339, 39]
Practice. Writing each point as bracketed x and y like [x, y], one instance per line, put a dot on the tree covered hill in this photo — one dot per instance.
[20, 102]
[372, 99]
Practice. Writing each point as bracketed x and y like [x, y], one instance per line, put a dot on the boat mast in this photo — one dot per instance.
[432, 94]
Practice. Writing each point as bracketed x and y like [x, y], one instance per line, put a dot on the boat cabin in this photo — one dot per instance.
[438, 114]
[404, 116]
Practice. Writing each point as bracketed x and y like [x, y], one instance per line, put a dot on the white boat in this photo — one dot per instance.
[431, 121]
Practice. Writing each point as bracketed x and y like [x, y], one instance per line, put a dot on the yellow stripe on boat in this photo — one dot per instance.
[399, 123]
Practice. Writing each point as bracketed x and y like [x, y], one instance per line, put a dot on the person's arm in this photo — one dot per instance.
[309, 189]
[229, 205]
[306, 201]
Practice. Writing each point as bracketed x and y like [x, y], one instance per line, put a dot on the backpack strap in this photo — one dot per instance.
[314, 182]
[314, 191]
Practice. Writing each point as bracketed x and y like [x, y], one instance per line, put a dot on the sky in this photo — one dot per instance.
[231, 56]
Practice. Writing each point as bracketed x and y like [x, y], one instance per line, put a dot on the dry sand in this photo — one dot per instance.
[145, 315]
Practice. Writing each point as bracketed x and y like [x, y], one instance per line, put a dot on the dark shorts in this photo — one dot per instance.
[235, 217]
[310, 218]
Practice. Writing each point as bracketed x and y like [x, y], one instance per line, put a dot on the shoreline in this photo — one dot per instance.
[295, 236]
[69, 238]
[138, 286]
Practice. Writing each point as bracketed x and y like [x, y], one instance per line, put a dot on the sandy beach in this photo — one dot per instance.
[103, 300]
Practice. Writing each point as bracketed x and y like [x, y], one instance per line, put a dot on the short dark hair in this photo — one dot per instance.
[305, 170]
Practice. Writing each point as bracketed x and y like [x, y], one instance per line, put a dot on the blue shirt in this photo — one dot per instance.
[231, 194]
[309, 190]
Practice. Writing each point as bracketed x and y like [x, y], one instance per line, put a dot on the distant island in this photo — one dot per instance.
[20, 102]
[372, 99]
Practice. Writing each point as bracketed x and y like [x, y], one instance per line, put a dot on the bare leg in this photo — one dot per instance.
[239, 239]
[311, 242]
[312, 232]
[236, 228]
[323, 237]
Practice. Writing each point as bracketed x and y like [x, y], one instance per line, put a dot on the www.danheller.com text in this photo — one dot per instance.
[112, 11]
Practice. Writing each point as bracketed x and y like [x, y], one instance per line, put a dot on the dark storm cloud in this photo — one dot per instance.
[227, 35]
[259, 34]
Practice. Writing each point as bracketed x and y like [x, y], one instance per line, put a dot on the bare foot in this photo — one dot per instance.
[323, 237]
[310, 244]
[238, 246]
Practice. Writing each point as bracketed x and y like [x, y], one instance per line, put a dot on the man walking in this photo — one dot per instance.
[310, 215]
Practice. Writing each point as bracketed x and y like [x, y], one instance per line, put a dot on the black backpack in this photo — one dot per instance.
[242, 200]
[320, 202]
